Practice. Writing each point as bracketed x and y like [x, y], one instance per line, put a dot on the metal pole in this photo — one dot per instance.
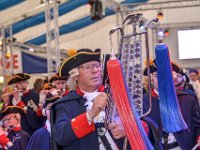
[52, 36]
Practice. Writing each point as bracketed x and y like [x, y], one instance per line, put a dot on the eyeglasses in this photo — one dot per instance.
[9, 119]
[89, 67]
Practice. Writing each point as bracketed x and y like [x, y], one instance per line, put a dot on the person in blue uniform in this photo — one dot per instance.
[12, 137]
[41, 138]
[78, 118]
[60, 83]
[6, 97]
[188, 104]
[28, 100]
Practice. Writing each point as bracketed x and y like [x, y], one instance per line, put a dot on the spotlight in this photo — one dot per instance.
[31, 50]
[160, 15]
[166, 32]
[96, 9]
[160, 34]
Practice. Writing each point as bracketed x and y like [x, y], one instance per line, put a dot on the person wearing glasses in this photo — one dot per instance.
[12, 137]
[78, 118]
[60, 83]
[28, 100]
[40, 140]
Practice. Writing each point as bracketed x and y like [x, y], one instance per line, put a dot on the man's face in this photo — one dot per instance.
[22, 85]
[89, 75]
[10, 120]
[193, 76]
[178, 79]
[154, 80]
[60, 84]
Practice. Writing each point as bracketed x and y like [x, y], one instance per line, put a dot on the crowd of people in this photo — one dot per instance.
[52, 116]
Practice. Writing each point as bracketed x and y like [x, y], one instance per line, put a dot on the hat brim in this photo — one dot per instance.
[55, 78]
[153, 68]
[187, 79]
[12, 110]
[51, 100]
[18, 79]
[176, 68]
[77, 60]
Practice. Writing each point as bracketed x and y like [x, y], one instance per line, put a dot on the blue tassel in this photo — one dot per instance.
[171, 116]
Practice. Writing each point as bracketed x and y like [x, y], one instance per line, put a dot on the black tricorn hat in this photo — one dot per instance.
[187, 79]
[12, 110]
[56, 77]
[82, 56]
[153, 68]
[194, 70]
[47, 86]
[50, 98]
[19, 77]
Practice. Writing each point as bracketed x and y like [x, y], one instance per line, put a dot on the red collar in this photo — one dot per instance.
[153, 93]
[17, 129]
[78, 90]
[180, 88]
[65, 93]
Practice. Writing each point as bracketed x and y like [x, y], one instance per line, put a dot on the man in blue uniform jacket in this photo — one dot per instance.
[78, 118]
[12, 137]
[183, 140]
[28, 100]
[189, 107]
[41, 138]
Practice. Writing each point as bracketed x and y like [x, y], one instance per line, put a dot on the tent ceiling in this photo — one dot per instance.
[28, 21]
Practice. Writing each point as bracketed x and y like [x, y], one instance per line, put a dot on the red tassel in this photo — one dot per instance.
[121, 99]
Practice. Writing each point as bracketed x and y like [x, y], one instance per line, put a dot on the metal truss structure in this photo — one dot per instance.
[52, 36]
[169, 4]
[7, 50]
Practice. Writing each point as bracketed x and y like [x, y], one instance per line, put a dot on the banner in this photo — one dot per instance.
[33, 64]
[16, 59]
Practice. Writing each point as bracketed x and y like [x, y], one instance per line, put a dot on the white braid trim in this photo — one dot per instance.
[74, 72]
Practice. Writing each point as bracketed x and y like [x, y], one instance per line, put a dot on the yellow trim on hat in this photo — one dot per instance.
[25, 74]
[49, 99]
[172, 62]
[55, 75]
[4, 110]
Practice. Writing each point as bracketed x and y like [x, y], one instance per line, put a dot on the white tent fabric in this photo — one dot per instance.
[95, 35]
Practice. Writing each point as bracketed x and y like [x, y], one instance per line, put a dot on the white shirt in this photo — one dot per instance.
[196, 86]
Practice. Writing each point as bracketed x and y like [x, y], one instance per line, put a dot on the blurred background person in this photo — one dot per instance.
[28, 100]
[12, 137]
[189, 107]
[38, 85]
[40, 140]
[6, 97]
[60, 83]
[193, 73]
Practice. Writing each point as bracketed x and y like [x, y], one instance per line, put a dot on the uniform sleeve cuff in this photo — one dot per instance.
[39, 111]
[80, 126]
[145, 126]
[198, 139]
[5, 142]
[21, 104]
